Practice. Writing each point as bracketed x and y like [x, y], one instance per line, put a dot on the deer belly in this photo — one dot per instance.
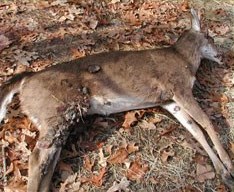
[106, 106]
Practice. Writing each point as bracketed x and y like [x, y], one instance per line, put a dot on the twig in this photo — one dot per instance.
[4, 164]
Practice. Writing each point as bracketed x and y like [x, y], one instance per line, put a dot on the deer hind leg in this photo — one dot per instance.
[43, 159]
[53, 133]
[191, 107]
[42, 163]
[53, 107]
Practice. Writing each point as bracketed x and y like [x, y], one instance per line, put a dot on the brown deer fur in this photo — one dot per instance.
[55, 98]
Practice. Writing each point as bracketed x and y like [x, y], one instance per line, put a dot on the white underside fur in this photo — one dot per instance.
[118, 103]
[6, 101]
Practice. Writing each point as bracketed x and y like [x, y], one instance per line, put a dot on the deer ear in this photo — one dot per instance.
[195, 21]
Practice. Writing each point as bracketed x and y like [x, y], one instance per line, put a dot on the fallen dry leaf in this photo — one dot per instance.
[102, 159]
[93, 24]
[222, 29]
[130, 118]
[137, 170]
[96, 179]
[204, 172]
[118, 157]
[166, 154]
[17, 185]
[124, 183]
[220, 12]
[185, 5]
[77, 53]
[122, 153]
[59, 2]
[190, 143]
[10, 138]
[4, 42]
[156, 118]
[168, 130]
[25, 57]
[132, 147]
[88, 164]
[187, 145]
[147, 125]
[70, 183]
[200, 159]
[220, 98]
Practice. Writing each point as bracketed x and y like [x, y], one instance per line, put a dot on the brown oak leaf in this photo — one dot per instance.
[130, 118]
[137, 170]
[118, 157]
[204, 172]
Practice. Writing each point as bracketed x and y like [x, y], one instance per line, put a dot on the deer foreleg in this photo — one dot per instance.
[190, 105]
[183, 117]
[193, 128]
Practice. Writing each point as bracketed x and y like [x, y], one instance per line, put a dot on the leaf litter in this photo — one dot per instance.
[149, 153]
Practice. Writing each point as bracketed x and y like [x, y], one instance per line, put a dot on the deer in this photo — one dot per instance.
[59, 96]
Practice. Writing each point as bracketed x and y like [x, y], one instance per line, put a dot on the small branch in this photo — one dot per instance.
[4, 163]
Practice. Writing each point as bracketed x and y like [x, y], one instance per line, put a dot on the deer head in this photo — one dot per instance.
[208, 49]
[195, 45]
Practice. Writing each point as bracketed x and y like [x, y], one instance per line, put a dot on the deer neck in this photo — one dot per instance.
[190, 51]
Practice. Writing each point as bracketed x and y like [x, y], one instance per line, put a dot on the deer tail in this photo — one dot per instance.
[8, 90]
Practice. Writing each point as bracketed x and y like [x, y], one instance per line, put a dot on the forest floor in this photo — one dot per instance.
[142, 150]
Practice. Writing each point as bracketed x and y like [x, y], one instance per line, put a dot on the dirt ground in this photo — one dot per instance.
[143, 150]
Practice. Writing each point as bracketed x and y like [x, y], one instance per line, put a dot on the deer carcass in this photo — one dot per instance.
[106, 83]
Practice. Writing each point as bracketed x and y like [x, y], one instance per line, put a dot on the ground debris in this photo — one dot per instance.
[37, 34]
